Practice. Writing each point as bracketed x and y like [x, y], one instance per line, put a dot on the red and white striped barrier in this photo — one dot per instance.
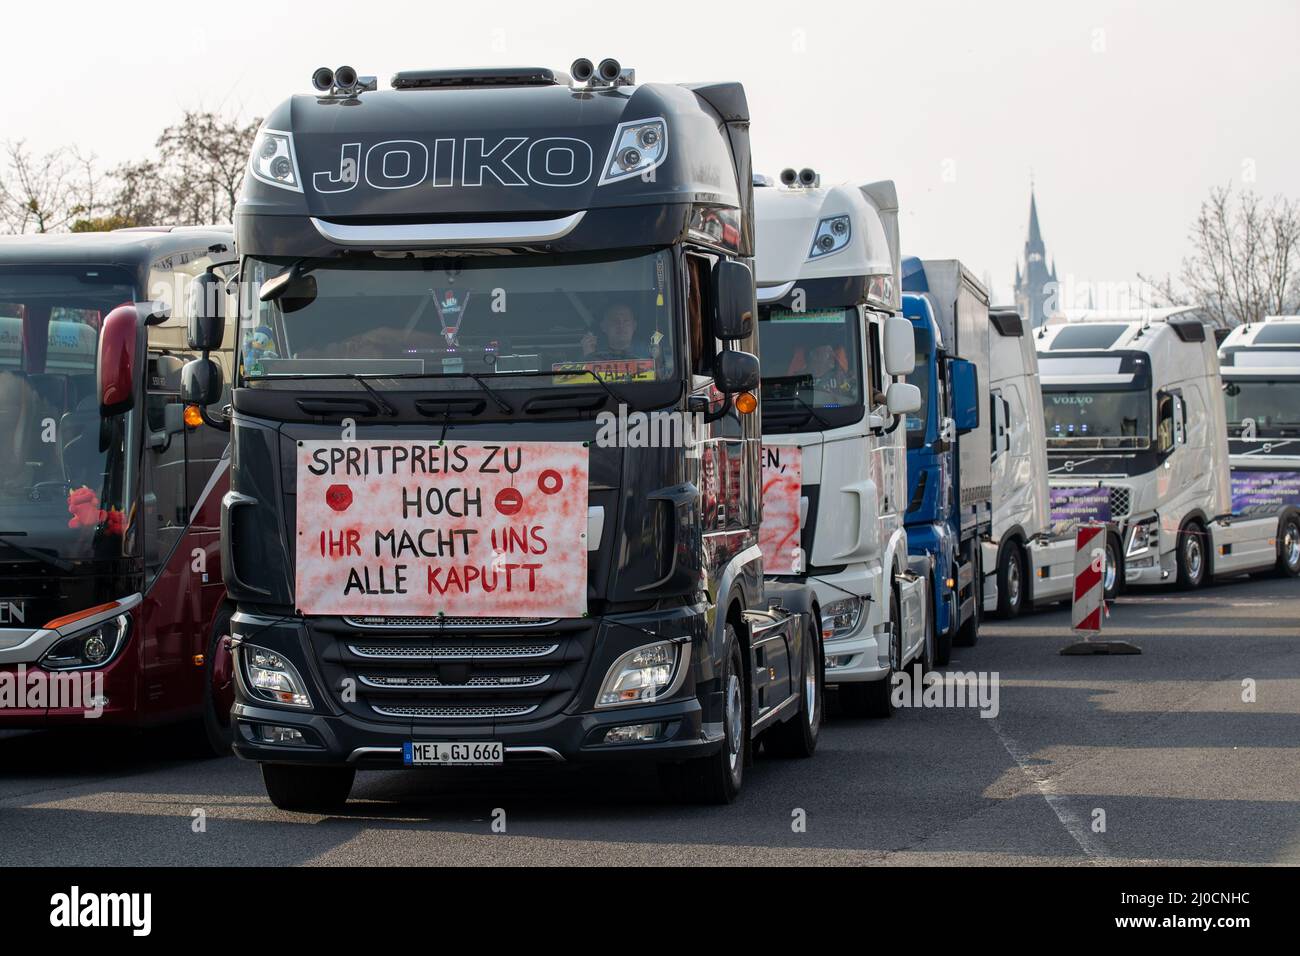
[1089, 563]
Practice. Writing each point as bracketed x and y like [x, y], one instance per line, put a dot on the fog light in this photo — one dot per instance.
[837, 660]
[633, 733]
[278, 735]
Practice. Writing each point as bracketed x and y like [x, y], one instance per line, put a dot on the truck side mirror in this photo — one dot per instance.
[201, 382]
[115, 364]
[735, 371]
[965, 394]
[900, 346]
[902, 398]
[207, 313]
[733, 300]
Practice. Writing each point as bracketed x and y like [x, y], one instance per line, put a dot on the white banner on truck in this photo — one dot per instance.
[464, 529]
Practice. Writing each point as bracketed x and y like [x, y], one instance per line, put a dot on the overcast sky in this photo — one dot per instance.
[1125, 113]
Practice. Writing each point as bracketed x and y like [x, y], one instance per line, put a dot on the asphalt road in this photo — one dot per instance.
[1163, 744]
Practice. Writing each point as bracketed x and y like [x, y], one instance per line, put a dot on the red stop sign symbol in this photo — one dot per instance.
[509, 501]
[338, 497]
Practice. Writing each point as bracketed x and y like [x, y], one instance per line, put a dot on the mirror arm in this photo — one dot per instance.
[221, 424]
[722, 412]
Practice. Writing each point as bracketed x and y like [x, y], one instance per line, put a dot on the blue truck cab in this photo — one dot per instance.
[949, 508]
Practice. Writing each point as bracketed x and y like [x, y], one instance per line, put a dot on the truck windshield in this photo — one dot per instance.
[1097, 419]
[812, 368]
[1269, 406]
[563, 316]
[63, 476]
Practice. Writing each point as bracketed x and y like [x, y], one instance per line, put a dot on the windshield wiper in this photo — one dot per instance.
[812, 412]
[48, 560]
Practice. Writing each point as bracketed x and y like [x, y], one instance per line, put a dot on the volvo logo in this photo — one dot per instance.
[13, 612]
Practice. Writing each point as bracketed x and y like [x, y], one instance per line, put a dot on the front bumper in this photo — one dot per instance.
[562, 725]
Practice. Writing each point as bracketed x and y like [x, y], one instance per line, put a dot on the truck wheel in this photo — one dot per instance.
[968, 634]
[1011, 582]
[1191, 556]
[797, 737]
[1113, 568]
[1288, 547]
[307, 789]
[717, 779]
[942, 640]
[219, 687]
[875, 698]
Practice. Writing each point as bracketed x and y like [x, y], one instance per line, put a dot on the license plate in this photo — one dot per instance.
[430, 754]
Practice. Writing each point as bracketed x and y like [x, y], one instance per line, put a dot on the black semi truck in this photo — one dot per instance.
[495, 484]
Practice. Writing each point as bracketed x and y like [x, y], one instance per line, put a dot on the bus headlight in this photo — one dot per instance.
[638, 147]
[274, 161]
[93, 647]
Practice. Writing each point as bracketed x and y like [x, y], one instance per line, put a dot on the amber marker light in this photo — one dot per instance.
[746, 403]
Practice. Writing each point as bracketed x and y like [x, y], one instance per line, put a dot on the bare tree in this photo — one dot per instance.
[203, 162]
[47, 193]
[1245, 261]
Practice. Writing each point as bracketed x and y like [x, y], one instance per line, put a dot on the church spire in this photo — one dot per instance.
[1035, 243]
[1036, 273]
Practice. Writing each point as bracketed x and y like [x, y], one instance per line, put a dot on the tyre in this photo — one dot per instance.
[1012, 582]
[1288, 547]
[1192, 556]
[307, 789]
[717, 778]
[219, 687]
[968, 634]
[797, 737]
[1113, 570]
[875, 698]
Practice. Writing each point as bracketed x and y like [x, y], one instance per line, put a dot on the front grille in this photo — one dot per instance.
[431, 712]
[1120, 501]
[450, 673]
[450, 652]
[443, 623]
[401, 681]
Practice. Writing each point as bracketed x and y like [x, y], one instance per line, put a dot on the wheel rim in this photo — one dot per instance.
[1291, 545]
[810, 683]
[1110, 572]
[1013, 582]
[734, 728]
[1192, 556]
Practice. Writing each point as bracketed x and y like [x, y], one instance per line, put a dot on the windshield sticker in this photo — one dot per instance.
[819, 316]
[421, 529]
[631, 370]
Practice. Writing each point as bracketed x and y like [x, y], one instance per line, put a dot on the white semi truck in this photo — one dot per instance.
[1260, 366]
[1030, 558]
[835, 468]
[1137, 437]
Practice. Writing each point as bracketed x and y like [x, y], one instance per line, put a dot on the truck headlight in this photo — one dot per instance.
[638, 147]
[274, 161]
[92, 647]
[833, 234]
[1145, 534]
[269, 676]
[841, 618]
[645, 674]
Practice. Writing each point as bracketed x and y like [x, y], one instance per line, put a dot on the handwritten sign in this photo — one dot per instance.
[465, 529]
[778, 535]
[1264, 492]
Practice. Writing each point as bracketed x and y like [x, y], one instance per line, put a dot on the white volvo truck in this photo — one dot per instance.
[1137, 437]
[1030, 557]
[835, 468]
[1260, 366]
